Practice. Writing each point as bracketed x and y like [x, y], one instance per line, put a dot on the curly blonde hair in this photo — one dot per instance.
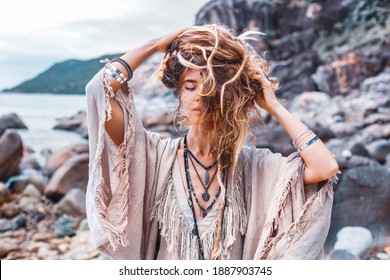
[230, 91]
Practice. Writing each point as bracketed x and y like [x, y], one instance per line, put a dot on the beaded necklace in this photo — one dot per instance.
[191, 193]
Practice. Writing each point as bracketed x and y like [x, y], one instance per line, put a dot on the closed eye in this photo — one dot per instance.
[190, 89]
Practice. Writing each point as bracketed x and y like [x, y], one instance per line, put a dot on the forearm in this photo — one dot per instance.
[134, 58]
[319, 161]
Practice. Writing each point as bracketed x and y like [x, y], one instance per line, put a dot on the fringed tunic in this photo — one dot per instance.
[137, 206]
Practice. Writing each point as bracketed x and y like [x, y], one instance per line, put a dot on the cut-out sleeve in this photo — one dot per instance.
[123, 181]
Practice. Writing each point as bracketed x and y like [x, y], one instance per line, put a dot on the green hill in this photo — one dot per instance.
[70, 77]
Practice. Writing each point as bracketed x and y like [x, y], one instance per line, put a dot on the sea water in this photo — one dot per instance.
[40, 113]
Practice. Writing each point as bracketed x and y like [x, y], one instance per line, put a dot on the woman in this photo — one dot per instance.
[206, 195]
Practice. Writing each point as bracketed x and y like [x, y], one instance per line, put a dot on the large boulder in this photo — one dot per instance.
[76, 123]
[55, 160]
[362, 198]
[11, 121]
[11, 152]
[72, 174]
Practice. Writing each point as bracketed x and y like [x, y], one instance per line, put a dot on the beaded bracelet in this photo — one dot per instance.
[126, 65]
[116, 71]
[114, 75]
[314, 139]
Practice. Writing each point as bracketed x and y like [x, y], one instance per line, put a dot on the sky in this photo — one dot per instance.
[35, 34]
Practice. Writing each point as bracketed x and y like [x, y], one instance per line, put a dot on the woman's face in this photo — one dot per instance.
[189, 92]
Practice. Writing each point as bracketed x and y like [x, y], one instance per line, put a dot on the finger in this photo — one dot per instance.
[264, 80]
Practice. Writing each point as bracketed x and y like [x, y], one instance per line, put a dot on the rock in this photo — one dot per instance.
[72, 174]
[362, 198]
[356, 161]
[143, 83]
[64, 227]
[379, 149]
[291, 44]
[332, 11]
[5, 194]
[295, 74]
[387, 164]
[11, 121]
[77, 123]
[377, 118]
[29, 204]
[31, 191]
[54, 161]
[72, 204]
[341, 255]
[382, 256]
[8, 245]
[11, 151]
[234, 14]
[43, 236]
[18, 222]
[337, 146]
[346, 72]
[343, 129]
[346, 154]
[378, 84]
[276, 139]
[308, 105]
[5, 225]
[29, 176]
[29, 162]
[373, 132]
[360, 150]
[10, 210]
[355, 240]
[371, 177]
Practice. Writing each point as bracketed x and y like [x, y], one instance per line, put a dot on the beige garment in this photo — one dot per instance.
[272, 215]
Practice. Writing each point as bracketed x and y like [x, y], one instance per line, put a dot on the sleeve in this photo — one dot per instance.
[286, 219]
[122, 180]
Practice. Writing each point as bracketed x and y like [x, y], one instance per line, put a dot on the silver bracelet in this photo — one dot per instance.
[114, 75]
[299, 136]
[117, 72]
[300, 149]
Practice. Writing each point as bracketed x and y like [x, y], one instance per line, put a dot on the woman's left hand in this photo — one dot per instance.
[266, 98]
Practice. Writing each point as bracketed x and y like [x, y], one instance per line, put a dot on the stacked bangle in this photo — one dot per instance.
[115, 73]
[304, 132]
[314, 139]
[126, 65]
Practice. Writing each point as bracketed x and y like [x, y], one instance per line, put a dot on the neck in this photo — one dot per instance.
[198, 143]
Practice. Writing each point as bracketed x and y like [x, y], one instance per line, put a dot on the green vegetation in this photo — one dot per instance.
[69, 77]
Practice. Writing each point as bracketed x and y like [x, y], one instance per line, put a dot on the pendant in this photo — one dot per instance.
[206, 196]
[204, 214]
[206, 178]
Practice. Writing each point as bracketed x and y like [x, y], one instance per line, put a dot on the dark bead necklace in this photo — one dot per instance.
[206, 175]
[191, 193]
[205, 195]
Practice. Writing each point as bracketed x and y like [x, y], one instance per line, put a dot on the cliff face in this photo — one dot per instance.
[312, 45]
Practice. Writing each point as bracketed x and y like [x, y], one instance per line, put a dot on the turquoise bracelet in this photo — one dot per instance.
[300, 149]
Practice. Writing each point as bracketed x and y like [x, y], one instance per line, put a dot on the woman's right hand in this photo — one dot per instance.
[163, 42]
